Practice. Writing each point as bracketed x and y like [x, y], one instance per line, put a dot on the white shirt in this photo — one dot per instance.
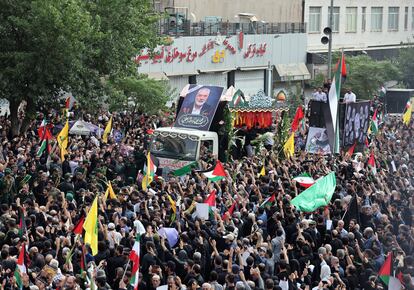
[349, 98]
[196, 111]
[319, 96]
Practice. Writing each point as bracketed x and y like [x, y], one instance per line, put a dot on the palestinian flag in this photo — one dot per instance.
[185, 169]
[351, 150]
[374, 124]
[20, 267]
[238, 98]
[230, 211]
[386, 274]
[371, 163]
[217, 173]
[407, 114]
[304, 180]
[211, 198]
[269, 201]
[134, 257]
[78, 229]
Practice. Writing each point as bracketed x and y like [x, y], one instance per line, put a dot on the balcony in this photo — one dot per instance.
[188, 28]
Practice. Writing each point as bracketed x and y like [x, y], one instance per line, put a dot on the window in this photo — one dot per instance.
[406, 19]
[412, 18]
[351, 19]
[315, 19]
[376, 18]
[364, 19]
[335, 20]
[393, 13]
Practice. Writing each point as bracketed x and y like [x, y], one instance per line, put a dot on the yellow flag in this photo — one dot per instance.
[91, 227]
[149, 175]
[407, 115]
[108, 129]
[63, 140]
[289, 147]
[110, 192]
[263, 171]
[172, 202]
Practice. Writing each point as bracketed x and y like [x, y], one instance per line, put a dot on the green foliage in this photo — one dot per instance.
[365, 75]
[317, 81]
[141, 94]
[47, 46]
[282, 134]
[406, 65]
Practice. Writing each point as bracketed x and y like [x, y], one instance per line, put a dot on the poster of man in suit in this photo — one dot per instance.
[356, 123]
[199, 107]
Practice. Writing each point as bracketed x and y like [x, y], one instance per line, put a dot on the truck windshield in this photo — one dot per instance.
[174, 147]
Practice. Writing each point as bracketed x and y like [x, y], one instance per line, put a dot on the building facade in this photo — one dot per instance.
[250, 62]
[360, 24]
[264, 10]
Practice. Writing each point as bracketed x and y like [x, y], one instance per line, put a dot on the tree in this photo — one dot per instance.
[47, 46]
[139, 94]
[406, 65]
[365, 75]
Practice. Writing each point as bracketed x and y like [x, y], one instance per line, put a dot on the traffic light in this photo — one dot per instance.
[328, 32]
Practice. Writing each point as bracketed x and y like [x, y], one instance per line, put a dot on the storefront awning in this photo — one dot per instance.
[157, 76]
[226, 69]
[254, 68]
[293, 72]
[176, 74]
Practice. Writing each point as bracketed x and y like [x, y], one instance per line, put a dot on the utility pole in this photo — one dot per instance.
[330, 42]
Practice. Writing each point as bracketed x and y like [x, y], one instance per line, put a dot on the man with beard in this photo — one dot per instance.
[200, 106]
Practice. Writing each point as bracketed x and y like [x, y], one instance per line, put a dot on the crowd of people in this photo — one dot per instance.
[274, 246]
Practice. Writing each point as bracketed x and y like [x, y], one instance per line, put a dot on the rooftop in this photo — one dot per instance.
[189, 28]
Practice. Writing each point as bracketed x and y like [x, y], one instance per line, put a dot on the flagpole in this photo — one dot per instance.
[126, 268]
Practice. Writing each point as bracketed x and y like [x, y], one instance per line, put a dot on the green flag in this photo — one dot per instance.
[317, 195]
[185, 169]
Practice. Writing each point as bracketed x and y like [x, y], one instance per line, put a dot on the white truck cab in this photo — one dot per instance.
[176, 147]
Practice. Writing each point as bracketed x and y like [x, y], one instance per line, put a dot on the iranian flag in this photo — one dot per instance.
[134, 257]
[217, 173]
[371, 163]
[20, 267]
[374, 124]
[269, 201]
[304, 180]
[238, 98]
[334, 94]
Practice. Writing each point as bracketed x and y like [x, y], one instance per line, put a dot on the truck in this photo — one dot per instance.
[177, 147]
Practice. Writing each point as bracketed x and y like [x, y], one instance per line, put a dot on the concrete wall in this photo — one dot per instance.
[265, 10]
[359, 39]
